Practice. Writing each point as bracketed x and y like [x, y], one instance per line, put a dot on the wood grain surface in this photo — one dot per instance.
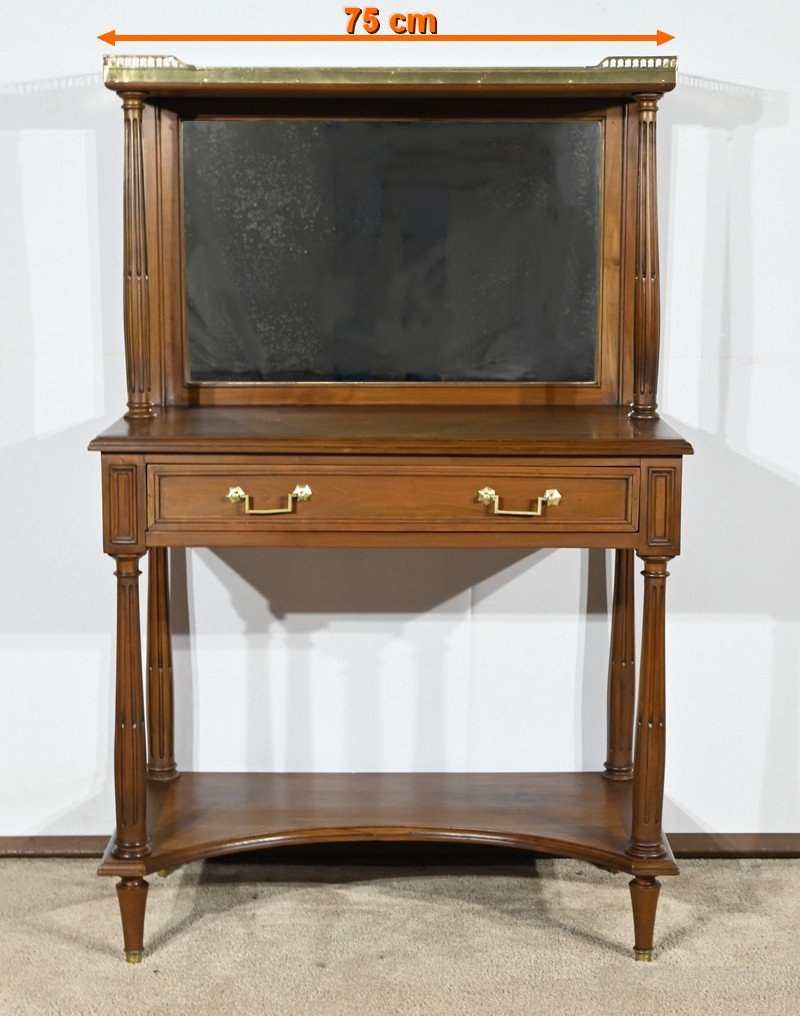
[398, 430]
[206, 814]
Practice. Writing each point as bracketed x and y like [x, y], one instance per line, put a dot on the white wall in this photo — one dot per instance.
[409, 660]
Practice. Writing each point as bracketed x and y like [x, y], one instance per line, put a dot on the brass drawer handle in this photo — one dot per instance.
[236, 494]
[487, 496]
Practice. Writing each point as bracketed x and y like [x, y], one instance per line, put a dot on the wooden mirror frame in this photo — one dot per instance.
[621, 93]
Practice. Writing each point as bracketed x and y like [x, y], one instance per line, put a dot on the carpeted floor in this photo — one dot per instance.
[549, 938]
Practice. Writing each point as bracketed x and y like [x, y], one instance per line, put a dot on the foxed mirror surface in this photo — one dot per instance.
[399, 251]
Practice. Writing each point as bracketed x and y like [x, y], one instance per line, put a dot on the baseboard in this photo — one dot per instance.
[735, 844]
[53, 846]
[775, 845]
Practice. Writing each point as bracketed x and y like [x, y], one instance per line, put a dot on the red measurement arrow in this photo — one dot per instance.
[112, 38]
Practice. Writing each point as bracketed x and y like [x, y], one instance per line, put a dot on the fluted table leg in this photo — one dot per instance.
[160, 692]
[648, 774]
[621, 672]
[130, 775]
[646, 839]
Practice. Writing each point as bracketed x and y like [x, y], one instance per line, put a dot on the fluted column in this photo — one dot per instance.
[130, 776]
[647, 312]
[648, 769]
[621, 672]
[136, 285]
[160, 693]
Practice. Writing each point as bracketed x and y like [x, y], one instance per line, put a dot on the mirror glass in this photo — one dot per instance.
[403, 251]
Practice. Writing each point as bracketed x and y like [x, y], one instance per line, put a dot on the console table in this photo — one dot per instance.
[360, 464]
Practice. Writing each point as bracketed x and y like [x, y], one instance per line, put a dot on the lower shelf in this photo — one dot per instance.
[201, 815]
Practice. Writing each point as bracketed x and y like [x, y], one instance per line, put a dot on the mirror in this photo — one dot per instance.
[384, 250]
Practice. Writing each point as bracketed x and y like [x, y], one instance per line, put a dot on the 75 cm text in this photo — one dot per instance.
[399, 23]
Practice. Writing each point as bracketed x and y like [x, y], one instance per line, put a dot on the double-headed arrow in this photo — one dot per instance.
[113, 37]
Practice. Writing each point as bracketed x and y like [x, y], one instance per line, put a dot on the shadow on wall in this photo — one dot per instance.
[50, 459]
[749, 572]
[54, 559]
[296, 594]
[714, 577]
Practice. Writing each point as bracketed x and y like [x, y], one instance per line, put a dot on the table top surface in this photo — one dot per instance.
[393, 430]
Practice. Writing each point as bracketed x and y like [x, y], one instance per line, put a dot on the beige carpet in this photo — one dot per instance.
[549, 938]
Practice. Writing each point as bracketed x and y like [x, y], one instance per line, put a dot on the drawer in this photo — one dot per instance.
[353, 494]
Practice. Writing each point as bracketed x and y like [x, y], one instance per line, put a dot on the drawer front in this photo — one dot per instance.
[352, 495]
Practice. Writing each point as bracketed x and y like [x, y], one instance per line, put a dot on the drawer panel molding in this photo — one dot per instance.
[352, 495]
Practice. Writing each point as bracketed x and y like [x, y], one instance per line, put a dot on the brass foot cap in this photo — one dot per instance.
[643, 955]
[133, 955]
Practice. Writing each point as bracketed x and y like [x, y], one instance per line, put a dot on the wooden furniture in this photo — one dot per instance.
[434, 463]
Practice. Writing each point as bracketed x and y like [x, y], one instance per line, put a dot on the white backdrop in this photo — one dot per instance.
[409, 660]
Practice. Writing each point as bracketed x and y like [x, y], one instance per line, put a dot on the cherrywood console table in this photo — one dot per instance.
[203, 461]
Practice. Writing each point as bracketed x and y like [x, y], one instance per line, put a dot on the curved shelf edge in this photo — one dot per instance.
[614, 860]
[202, 815]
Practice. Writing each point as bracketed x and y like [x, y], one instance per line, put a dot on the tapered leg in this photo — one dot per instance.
[130, 774]
[648, 773]
[644, 897]
[132, 896]
[621, 672]
[160, 695]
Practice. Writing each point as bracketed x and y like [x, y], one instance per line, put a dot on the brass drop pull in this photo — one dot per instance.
[489, 496]
[236, 494]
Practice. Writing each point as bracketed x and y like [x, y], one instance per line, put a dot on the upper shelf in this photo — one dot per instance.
[166, 75]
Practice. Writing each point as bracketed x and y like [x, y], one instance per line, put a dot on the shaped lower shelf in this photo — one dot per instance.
[201, 815]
